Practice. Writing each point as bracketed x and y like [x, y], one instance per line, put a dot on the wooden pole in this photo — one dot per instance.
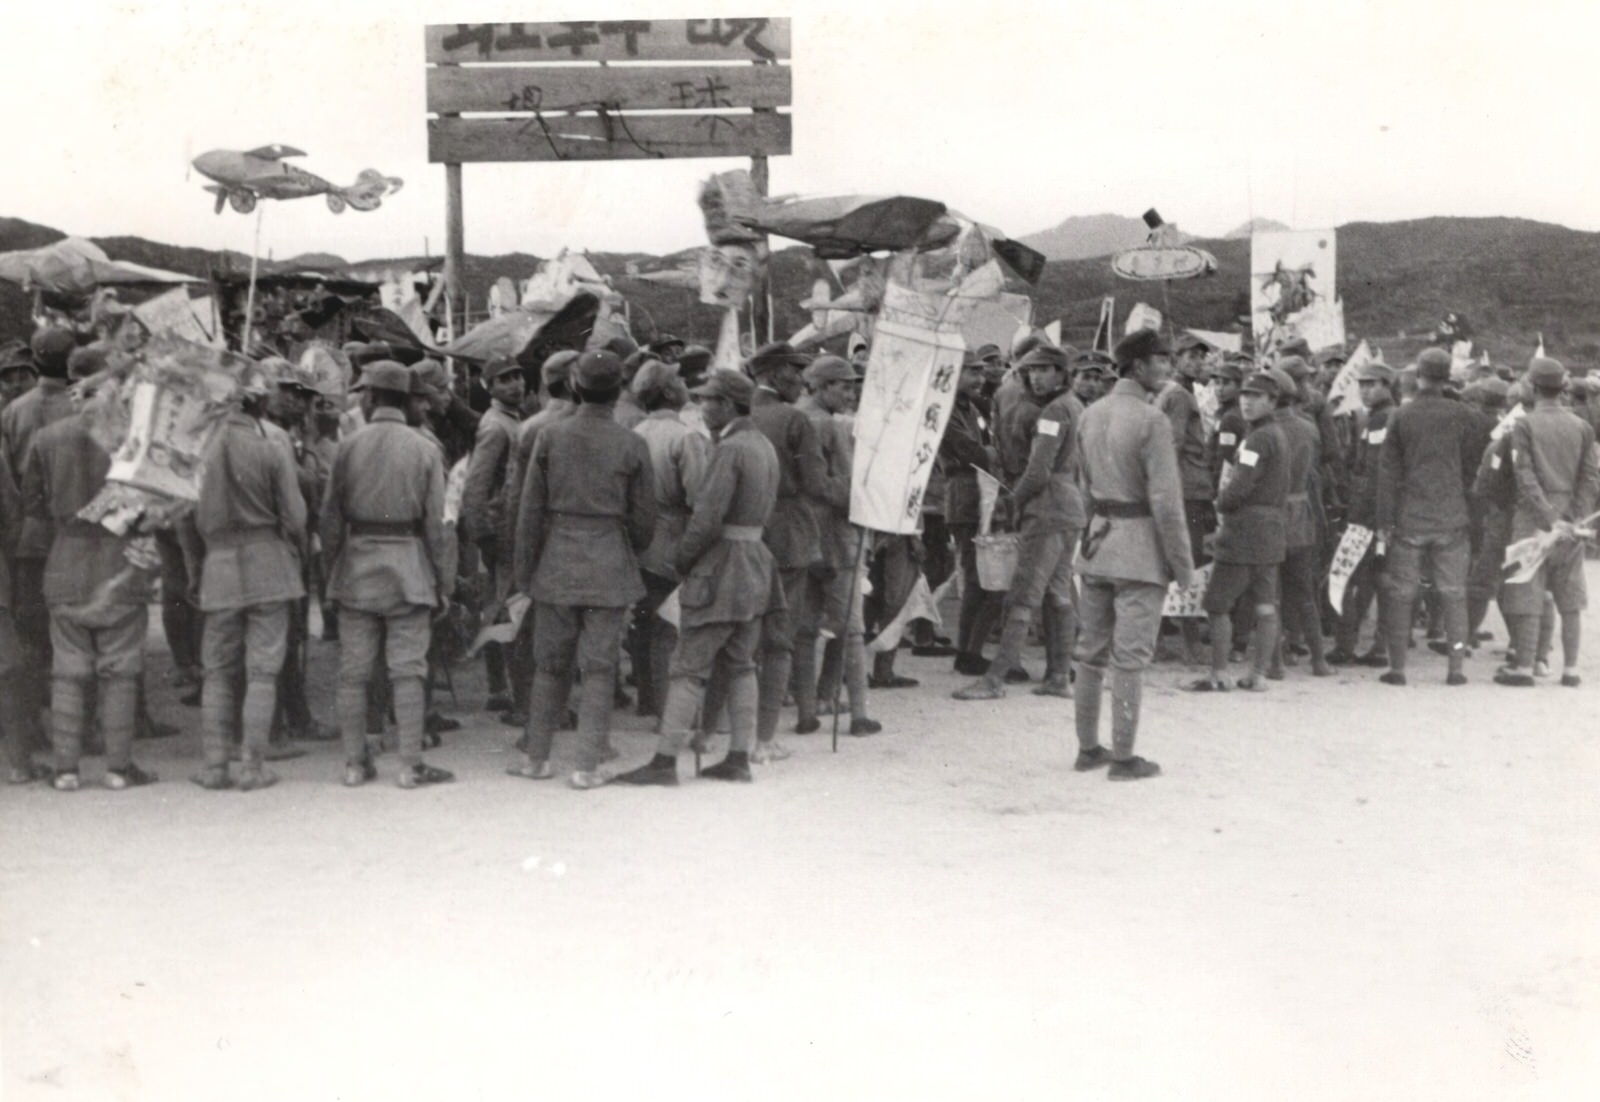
[455, 238]
[250, 293]
[760, 311]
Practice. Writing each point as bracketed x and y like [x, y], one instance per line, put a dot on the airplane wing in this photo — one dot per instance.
[275, 152]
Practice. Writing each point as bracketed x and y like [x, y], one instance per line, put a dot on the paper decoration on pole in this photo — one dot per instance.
[1352, 549]
[1163, 256]
[1344, 395]
[907, 397]
[921, 603]
[1187, 603]
[1526, 556]
[1217, 342]
[241, 178]
[504, 631]
[171, 314]
[1105, 328]
[994, 322]
[1292, 288]
[1142, 316]
[1052, 332]
[728, 354]
[1460, 360]
[727, 272]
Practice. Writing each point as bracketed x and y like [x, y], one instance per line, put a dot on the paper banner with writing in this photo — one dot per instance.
[1352, 548]
[1344, 396]
[1292, 284]
[906, 398]
[1187, 603]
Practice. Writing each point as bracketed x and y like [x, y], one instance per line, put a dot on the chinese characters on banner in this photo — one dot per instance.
[907, 396]
[1352, 547]
[1188, 603]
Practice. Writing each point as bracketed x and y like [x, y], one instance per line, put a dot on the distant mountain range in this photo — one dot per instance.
[1512, 278]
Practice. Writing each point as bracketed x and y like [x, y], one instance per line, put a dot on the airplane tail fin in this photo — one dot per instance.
[370, 189]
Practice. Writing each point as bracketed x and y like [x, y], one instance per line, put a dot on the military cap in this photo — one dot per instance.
[431, 377]
[970, 358]
[621, 347]
[1046, 355]
[666, 341]
[1228, 370]
[1192, 341]
[389, 375]
[654, 375]
[1026, 342]
[1299, 346]
[86, 360]
[1434, 363]
[1141, 345]
[16, 356]
[597, 370]
[1331, 356]
[828, 369]
[363, 354]
[773, 355]
[1375, 372]
[557, 367]
[51, 346]
[1286, 383]
[1263, 382]
[500, 365]
[694, 358]
[1293, 366]
[987, 352]
[1546, 372]
[724, 383]
[1494, 390]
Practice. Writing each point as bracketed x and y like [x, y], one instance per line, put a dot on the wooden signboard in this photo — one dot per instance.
[572, 91]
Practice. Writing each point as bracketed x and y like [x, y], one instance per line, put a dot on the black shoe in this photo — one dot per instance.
[971, 665]
[1134, 769]
[1393, 677]
[438, 724]
[1338, 657]
[1091, 759]
[808, 726]
[1373, 660]
[865, 726]
[416, 776]
[131, 777]
[498, 702]
[1571, 680]
[893, 681]
[933, 650]
[1016, 675]
[514, 719]
[1515, 677]
[726, 770]
[1456, 679]
[649, 773]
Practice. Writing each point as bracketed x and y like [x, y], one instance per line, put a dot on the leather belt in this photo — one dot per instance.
[1123, 509]
[385, 528]
[742, 533]
[238, 537]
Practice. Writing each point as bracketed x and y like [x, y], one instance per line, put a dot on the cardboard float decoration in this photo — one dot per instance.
[241, 178]
[1163, 256]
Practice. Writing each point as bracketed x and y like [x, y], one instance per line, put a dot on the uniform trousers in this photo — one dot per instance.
[105, 645]
[565, 638]
[401, 636]
[253, 642]
[729, 651]
[1119, 622]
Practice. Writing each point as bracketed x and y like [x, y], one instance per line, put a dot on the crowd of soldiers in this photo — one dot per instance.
[642, 505]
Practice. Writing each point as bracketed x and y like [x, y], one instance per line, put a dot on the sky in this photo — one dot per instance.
[1016, 113]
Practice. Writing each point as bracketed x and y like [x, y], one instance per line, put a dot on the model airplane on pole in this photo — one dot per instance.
[242, 178]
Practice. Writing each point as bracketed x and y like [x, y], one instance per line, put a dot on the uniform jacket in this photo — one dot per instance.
[1181, 408]
[1250, 506]
[66, 469]
[678, 458]
[1301, 507]
[557, 409]
[1365, 463]
[1047, 495]
[386, 473]
[481, 503]
[588, 509]
[252, 518]
[20, 422]
[838, 444]
[628, 412]
[1430, 454]
[456, 429]
[1126, 455]
[1016, 409]
[792, 530]
[10, 527]
[726, 580]
[1496, 482]
[965, 445]
[1553, 455]
[1232, 428]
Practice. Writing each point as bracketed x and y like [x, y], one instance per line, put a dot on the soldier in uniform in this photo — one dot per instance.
[1137, 543]
[966, 448]
[1558, 482]
[1430, 453]
[1251, 540]
[588, 508]
[1182, 410]
[20, 421]
[678, 457]
[1303, 547]
[791, 533]
[1376, 382]
[730, 584]
[481, 519]
[15, 751]
[96, 600]
[251, 517]
[382, 530]
[1050, 510]
[1232, 427]
[17, 373]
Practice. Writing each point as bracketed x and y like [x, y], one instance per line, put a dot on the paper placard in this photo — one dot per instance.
[1352, 549]
[1188, 603]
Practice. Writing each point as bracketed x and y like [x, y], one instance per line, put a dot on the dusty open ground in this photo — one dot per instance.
[1338, 890]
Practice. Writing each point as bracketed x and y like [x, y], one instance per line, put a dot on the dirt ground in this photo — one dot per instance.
[1337, 890]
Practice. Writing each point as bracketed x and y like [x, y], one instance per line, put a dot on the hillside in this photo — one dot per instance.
[1082, 237]
[1512, 278]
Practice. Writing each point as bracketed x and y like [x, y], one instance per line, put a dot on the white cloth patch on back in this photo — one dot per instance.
[1227, 439]
[1248, 458]
[1049, 428]
[1376, 436]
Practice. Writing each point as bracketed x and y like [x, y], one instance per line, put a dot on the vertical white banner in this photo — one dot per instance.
[1292, 283]
[907, 396]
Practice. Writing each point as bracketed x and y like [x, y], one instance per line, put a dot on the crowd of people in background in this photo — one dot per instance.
[627, 508]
